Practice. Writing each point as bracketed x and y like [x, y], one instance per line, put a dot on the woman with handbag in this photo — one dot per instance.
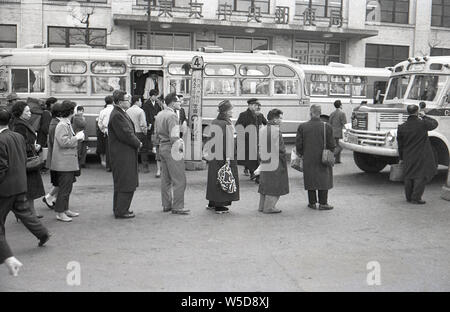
[315, 143]
[35, 187]
[274, 180]
[223, 181]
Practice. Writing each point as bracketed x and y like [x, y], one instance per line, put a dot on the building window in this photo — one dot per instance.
[8, 36]
[242, 44]
[164, 41]
[175, 3]
[378, 55]
[322, 7]
[67, 36]
[395, 11]
[440, 14]
[439, 52]
[243, 5]
[317, 53]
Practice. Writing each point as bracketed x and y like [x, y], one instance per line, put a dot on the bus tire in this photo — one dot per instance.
[369, 163]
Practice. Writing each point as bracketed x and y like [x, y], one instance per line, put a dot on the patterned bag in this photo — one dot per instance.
[226, 179]
[327, 155]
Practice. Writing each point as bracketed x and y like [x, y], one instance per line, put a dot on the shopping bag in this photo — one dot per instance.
[226, 179]
[296, 161]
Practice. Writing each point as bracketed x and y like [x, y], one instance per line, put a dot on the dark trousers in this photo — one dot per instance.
[122, 203]
[414, 188]
[82, 152]
[323, 197]
[108, 163]
[65, 183]
[17, 204]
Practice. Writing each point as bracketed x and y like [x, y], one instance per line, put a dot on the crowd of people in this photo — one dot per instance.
[129, 129]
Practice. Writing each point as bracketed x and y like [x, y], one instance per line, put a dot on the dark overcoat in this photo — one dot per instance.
[13, 159]
[414, 147]
[35, 186]
[213, 191]
[310, 144]
[273, 182]
[42, 134]
[150, 111]
[246, 119]
[123, 147]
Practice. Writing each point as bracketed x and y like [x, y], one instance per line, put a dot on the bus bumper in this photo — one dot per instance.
[373, 150]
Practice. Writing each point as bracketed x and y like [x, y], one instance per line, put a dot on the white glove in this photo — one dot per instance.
[80, 136]
[13, 265]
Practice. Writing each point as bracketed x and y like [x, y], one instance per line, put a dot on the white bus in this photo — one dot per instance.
[351, 85]
[372, 133]
[86, 75]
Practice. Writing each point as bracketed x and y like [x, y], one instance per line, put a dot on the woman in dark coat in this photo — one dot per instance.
[274, 181]
[35, 188]
[318, 178]
[219, 199]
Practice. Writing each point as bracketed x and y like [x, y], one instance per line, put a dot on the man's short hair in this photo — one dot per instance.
[67, 108]
[109, 100]
[80, 108]
[50, 101]
[170, 98]
[315, 110]
[56, 110]
[18, 108]
[118, 96]
[274, 113]
[412, 109]
[134, 99]
[154, 92]
[5, 117]
[337, 103]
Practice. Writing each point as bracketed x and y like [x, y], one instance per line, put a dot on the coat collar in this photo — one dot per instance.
[19, 121]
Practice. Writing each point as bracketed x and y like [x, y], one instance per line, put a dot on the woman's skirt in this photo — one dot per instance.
[35, 186]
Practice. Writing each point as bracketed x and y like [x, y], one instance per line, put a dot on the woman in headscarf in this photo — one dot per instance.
[221, 151]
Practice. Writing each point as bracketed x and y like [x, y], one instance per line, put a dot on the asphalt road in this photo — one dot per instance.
[297, 250]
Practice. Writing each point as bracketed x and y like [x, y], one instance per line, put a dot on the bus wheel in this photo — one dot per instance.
[369, 163]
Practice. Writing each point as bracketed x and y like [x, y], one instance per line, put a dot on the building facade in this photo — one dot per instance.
[375, 33]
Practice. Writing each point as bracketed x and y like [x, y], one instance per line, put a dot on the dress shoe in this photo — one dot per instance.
[72, 214]
[325, 207]
[270, 211]
[181, 211]
[126, 216]
[44, 239]
[167, 209]
[212, 208]
[63, 217]
[418, 202]
[220, 210]
[47, 203]
[312, 206]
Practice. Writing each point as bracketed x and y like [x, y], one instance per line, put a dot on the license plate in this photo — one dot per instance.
[352, 139]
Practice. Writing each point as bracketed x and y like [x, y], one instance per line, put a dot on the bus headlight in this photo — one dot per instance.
[390, 138]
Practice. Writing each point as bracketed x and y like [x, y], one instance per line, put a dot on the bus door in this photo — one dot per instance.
[144, 80]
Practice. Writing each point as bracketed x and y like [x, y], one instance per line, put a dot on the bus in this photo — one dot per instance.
[371, 135]
[349, 84]
[86, 75]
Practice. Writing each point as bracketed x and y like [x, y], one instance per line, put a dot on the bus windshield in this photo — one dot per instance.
[397, 87]
[425, 87]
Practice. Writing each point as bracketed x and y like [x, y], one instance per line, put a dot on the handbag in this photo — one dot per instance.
[296, 161]
[34, 163]
[397, 173]
[226, 179]
[327, 155]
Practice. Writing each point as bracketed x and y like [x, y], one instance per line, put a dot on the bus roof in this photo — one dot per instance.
[435, 64]
[346, 69]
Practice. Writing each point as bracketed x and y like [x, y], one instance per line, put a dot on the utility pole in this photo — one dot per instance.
[149, 25]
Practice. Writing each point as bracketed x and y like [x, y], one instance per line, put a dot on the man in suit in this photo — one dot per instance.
[337, 121]
[123, 146]
[173, 178]
[318, 178]
[151, 108]
[416, 153]
[13, 187]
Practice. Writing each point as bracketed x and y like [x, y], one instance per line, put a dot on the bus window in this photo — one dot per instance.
[379, 90]
[220, 86]
[106, 85]
[319, 84]
[254, 70]
[68, 84]
[359, 84]
[340, 85]
[254, 86]
[28, 80]
[3, 80]
[286, 87]
[397, 87]
[283, 71]
[180, 85]
[68, 67]
[107, 67]
[424, 88]
[180, 69]
[220, 70]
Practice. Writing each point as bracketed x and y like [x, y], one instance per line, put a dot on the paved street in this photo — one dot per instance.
[297, 250]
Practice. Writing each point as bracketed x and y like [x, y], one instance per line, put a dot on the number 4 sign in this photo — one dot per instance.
[197, 63]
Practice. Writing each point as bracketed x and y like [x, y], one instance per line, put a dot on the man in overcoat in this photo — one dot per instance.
[416, 153]
[337, 121]
[123, 147]
[318, 178]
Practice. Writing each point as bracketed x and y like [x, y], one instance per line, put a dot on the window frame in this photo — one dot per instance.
[392, 57]
[68, 60]
[43, 69]
[256, 65]
[252, 3]
[220, 64]
[67, 29]
[7, 41]
[394, 11]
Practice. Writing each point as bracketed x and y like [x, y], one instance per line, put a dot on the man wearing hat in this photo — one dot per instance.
[246, 119]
